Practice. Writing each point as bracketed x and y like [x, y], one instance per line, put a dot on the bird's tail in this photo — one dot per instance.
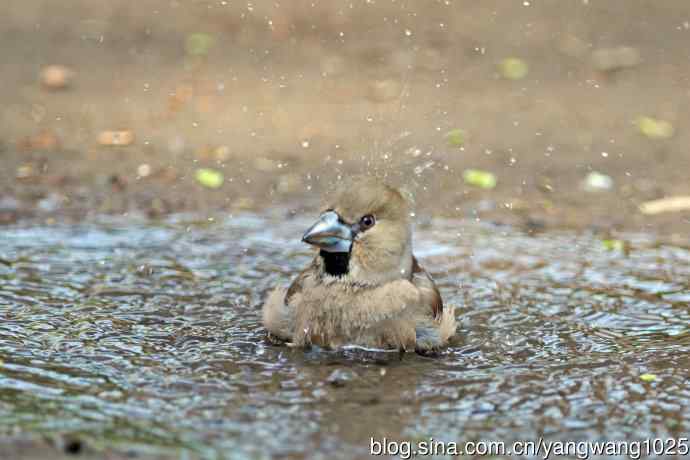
[435, 334]
[448, 323]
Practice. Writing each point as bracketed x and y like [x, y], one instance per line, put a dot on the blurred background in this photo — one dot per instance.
[538, 112]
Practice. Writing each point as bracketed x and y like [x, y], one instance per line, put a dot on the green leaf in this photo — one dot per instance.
[199, 44]
[513, 68]
[209, 177]
[614, 245]
[654, 128]
[479, 178]
[456, 137]
[648, 377]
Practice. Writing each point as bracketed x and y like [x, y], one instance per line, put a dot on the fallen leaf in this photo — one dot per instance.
[209, 177]
[45, 140]
[199, 44]
[479, 178]
[513, 68]
[670, 204]
[648, 377]
[116, 138]
[654, 128]
[456, 137]
[614, 245]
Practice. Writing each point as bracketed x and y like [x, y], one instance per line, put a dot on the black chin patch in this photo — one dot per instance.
[335, 263]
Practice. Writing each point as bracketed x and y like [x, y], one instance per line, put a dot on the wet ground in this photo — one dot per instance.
[282, 98]
[136, 336]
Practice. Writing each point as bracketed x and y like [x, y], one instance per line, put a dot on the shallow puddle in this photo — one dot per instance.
[146, 337]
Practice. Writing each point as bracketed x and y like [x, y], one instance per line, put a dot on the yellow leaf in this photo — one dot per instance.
[669, 204]
[456, 137]
[648, 377]
[209, 177]
[614, 245]
[513, 68]
[199, 44]
[479, 178]
[654, 128]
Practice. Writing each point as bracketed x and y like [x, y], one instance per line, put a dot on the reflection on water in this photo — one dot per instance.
[147, 337]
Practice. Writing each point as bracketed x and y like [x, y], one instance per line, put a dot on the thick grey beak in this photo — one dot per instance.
[329, 233]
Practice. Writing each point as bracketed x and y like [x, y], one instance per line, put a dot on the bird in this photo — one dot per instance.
[364, 287]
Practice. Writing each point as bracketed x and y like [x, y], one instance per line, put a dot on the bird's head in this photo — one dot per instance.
[364, 233]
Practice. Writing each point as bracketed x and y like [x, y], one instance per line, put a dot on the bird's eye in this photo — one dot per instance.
[367, 221]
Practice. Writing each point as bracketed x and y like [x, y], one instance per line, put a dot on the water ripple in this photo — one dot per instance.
[147, 336]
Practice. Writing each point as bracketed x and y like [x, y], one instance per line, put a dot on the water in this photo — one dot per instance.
[146, 337]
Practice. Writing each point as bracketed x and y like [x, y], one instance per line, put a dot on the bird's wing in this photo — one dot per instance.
[428, 290]
[278, 314]
[298, 284]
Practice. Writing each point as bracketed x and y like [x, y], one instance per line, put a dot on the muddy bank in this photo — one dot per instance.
[281, 100]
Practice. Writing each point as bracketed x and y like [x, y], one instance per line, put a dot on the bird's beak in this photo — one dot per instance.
[329, 233]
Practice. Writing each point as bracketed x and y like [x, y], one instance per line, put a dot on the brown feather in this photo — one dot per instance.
[298, 284]
[430, 293]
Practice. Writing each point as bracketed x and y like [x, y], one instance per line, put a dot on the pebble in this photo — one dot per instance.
[144, 170]
[597, 182]
[116, 138]
[45, 140]
[56, 77]
[25, 171]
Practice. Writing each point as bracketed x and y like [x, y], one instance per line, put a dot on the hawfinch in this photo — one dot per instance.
[364, 287]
